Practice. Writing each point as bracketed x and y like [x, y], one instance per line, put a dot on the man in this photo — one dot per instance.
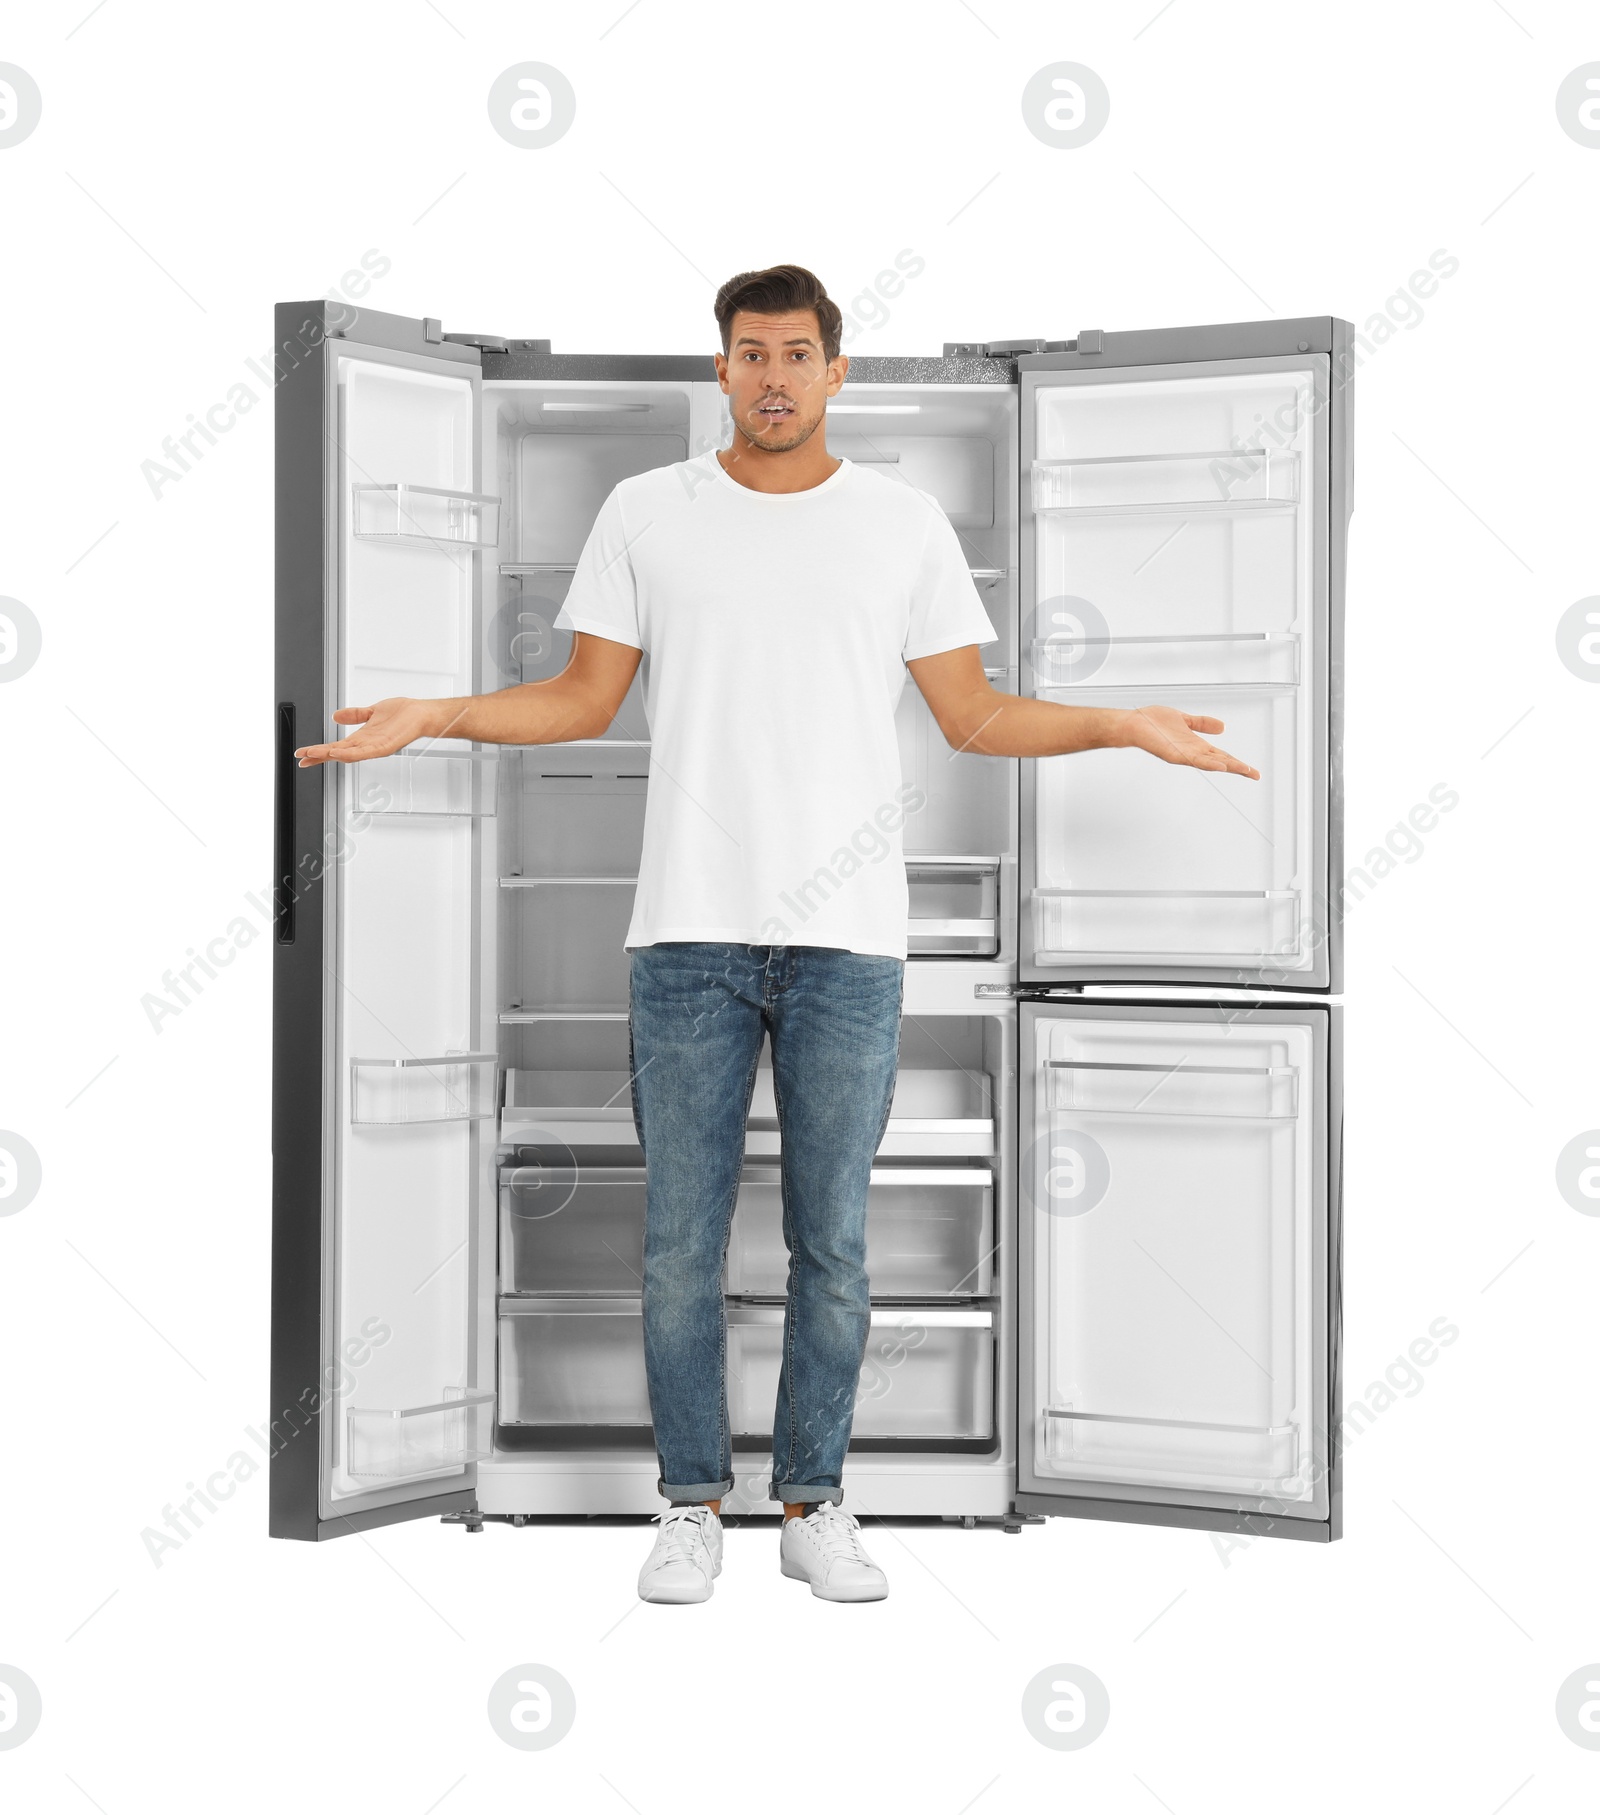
[778, 596]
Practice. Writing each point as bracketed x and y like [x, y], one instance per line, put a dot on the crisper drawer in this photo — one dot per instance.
[930, 1233]
[572, 1362]
[928, 1373]
[568, 1230]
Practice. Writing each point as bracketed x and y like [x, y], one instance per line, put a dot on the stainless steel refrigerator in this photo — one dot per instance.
[1104, 1227]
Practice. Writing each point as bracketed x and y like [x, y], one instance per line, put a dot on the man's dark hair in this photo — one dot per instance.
[780, 290]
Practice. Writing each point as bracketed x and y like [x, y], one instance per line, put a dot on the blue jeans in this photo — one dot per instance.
[697, 1017]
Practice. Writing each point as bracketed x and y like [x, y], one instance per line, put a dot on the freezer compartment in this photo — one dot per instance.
[1175, 1238]
[571, 1230]
[572, 1362]
[1144, 861]
[425, 516]
[930, 1233]
[420, 1439]
[447, 1087]
[928, 1374]
[439, 780]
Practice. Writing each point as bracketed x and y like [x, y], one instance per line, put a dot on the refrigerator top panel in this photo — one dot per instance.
[1178, 532]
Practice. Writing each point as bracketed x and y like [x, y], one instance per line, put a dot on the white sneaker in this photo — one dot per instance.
[687, 1556]
[824, 1548]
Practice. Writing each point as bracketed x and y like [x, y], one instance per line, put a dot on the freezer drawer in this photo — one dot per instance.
[930, 1233]
[568, 1230]
[1179, 1255]
[928, 1373]
[577, 1362]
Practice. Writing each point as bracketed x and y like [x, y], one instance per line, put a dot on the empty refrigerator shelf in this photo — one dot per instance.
[937, 1113]
[431, 783]
[573, 1363]
[1235, 658]
[575, 1231]
[425, 516]
[1242, 926]
[522, 1017]
[1215, 1456]
[955, 903]
[451, 1087]
[930, 1233]
[420, 1439]
[517, 568]
[1224, 479]
[1098, 1087]
[928, 1373]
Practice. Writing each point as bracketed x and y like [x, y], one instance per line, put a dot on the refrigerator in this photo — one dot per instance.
[1104, 1224]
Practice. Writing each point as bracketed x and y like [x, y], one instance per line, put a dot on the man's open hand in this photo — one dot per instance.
[1173, 736]
[385, 728]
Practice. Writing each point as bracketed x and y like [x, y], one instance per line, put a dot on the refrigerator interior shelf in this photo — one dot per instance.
[1226, 479]
[451, 1087]
[420, 1439]
[518, 568]
[1095, 1087]
[525, 1017]
[425, 516]
[566, 882]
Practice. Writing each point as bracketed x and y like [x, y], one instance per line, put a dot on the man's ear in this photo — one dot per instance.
[837, 367]
[720, 361]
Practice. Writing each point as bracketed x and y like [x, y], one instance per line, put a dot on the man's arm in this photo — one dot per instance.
[581, 701]
[973, 716]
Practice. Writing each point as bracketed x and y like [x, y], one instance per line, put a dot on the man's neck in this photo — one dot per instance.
[797, 469]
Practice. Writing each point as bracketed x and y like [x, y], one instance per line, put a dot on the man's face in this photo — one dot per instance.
[777, 379]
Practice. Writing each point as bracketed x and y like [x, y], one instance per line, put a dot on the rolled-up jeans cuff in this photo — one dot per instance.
[696, 1491]
[792, 1494]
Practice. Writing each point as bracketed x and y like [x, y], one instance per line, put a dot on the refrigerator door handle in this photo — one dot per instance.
[288, 771]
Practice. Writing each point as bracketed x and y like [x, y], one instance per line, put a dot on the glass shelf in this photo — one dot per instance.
[452, 1087]
[1225, 479]
[433, 782]
[425, 516]
[421, 1439]
[1089, 1087]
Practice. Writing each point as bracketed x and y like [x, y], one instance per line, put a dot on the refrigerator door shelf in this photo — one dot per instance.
[1231, 926]
[1068, 659]
[1210, 480]
[928, 1374]
[1099, 1087]
[425, 516]
[436, 781]
[395, 1093]
[1232, 1458]
[421, 1440]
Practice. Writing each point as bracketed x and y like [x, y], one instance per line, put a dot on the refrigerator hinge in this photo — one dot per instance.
[485, 343]
[1009, 349]
[1006, 990]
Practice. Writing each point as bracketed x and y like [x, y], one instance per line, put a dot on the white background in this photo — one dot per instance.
[196, 163]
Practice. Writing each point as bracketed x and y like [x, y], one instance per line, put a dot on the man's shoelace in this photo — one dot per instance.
[838, 1533]
[683, 1527]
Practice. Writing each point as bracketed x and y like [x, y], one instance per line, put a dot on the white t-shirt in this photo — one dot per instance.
[776, 627]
